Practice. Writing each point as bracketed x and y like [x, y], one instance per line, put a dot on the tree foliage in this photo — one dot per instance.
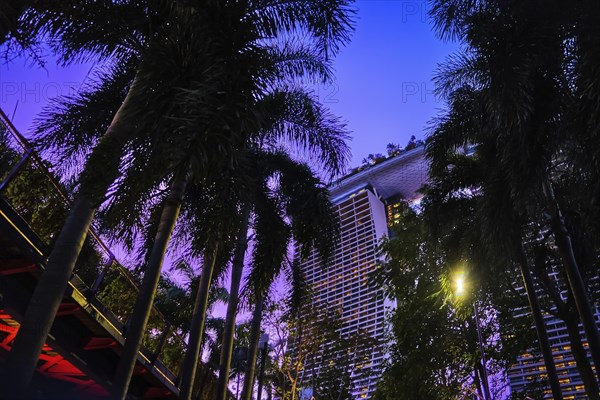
[515, 93]
[434, 348]
[311, 356]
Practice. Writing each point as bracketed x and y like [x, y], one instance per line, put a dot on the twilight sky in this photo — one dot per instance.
[383, 88]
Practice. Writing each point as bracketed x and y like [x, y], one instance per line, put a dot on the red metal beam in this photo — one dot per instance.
[54, 366]
[99, 343]
[67, 309]
[16, 266]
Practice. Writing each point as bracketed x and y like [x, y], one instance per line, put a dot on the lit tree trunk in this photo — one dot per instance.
[192, 355]
[145, 299]
[566, 312]
[582, 301]
[253, 349]
[540, 326]
[51, 286]
[581, 357]
[237, 268]
[477, 382]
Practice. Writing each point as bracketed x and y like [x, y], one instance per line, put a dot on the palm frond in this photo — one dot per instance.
[272, 236]
[70, 126]
[298, 119]
[295, 59]
[329, 22]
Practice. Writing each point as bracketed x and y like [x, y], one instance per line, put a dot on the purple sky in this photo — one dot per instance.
[383, 88]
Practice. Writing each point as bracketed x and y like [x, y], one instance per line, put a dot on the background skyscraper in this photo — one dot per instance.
[365, 202]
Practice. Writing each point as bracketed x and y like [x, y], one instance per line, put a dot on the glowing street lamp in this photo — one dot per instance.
[460, 285]
[459, 280]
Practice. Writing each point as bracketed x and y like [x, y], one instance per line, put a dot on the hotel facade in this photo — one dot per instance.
[530, 368]
[365, 202]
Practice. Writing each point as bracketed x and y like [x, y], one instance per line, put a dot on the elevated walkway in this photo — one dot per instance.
[80, 356]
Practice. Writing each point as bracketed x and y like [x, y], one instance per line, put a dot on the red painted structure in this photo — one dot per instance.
[52, 365]
[82, 351]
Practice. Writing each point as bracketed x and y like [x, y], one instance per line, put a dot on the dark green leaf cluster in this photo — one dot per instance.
[514, 152]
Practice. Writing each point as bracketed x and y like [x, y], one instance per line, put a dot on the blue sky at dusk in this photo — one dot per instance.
[383, 88]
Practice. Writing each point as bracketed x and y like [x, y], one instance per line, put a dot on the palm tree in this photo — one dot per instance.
[267, 167]
[204, 35]
[499, 220]
[312, 224]
[526, 94]
[328, 24]
[295, 114]
[503, 228]
[152, 53]
[291, 114]
[145, 299]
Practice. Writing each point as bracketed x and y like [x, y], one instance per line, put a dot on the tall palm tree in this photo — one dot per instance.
[504, 230]
[155, 48]
[312, 224]
[329, 25]
[295, 117]
[268, 167]
[500, 222]
[196, 33]
[523, 59]
[315, 126]
[291, 114]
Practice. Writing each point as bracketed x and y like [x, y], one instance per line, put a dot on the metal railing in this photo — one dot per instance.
[32, 190]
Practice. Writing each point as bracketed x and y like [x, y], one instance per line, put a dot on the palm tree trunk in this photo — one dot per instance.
[201, 384]
[46, 299]
[237, 268]
[580, 356]
[478, 385]
[253, 350]
[540, 326]
[582, 301]
[51, 286]
[192, 355]
[566, 312]
[144, 301]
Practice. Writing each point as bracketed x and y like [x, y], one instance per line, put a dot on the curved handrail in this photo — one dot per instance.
[32, 154]
[24, 143]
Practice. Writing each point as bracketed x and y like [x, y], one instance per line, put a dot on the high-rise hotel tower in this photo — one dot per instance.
[365, 201]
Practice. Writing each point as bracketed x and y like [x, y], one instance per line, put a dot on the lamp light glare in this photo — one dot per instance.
[460, 286]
